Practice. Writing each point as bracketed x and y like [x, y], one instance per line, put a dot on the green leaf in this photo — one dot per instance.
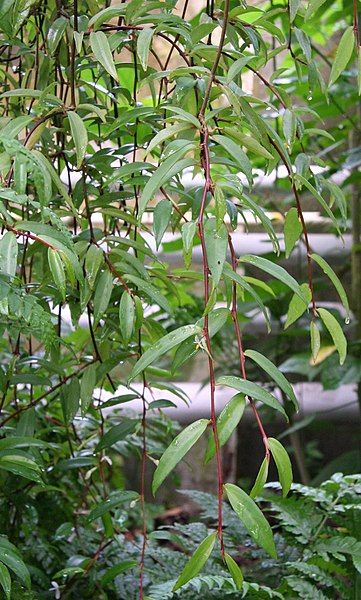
[162, 346]
[102, 52]
[249, 142]
[334, 328]
[87, 385]
[252, 518]
[151, 291]
[237, 67]
[177, 450]
[343, 55]
[143, 45]
[111, 573]
[126, 317]
[5, 580]
[293, 7]
[8, 254]
[117, 433]
[255, 391]
[216, 247]
[102, 295]
[297, 306]
[56, 32]
[335, 280]
[161, 217]
[321, 201]
[226, 424]
[70, 399]
[166, 133]
[79, 135]
[313, 6]
[283, 464]
[57, 270]
[274, 373]
[234, 570]
[292, 230]
[93, 261]
[173, 165]
[197, 561]
[188, 232]
[14, 562]
[276, 271]
[315, 340]
[234, 276]
[115, 499]
[22, 466]
[237, 154]
[260, 479]
[289, 127]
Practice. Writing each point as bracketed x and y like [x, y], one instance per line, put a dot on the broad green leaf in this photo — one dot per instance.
[293, 8]
[260, 479]
[57, 270]
[183, 115]
[249, 142]
[115, 499]
[188, 232]
[151, 291]
[253, 390]
[164, 134]
[177, 450]
[117, 433]
[335, 280]
[5, 580]
[216, 247]
[70, 399]
[87, 385]
[15, 126]
[274, 373]
[111, 573]
[237, 154]
[277, 272]
[197, 561]
[283, 464]
[8, 254]
[93, 261]
[334, 328]
[162, 346]
[292, 230]
[226, 424]
[126, 317]
[313, 6]
[161, 217]
[103, 291]
[220, 208]
[173, 165]
[56, 32]
[79, 135]
[234, 570]
[237, 67]
[252, 518]
[297, 306]
[343, 55]
[315, 340]
[289, 127]
[14, 562]
[143, 45]
[102, 52]
[22, 466]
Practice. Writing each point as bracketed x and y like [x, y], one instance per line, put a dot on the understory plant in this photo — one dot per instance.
[131, 132]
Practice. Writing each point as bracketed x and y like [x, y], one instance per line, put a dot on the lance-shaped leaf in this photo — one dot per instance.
[276, 271]
[56, 32]
[143, 45]
[102, 52]
[226, 424]
[188, 232]
[115, 499]
[197, 561]
[161, 217]
[283, 464]
[292, 230]
[5, 580]
[21, 465]
[10, 557]
[335, 280]
[274, 373]
[79, 135]
[8, 254]
[343, 55]
[334, 328]
[237, 154]
[297, 306]
[315, 340]
[260, 479]
[151, 291]
[320, 200]
[234, 570]
[252, 518]
[102, 295]
[177, 450]
[93, 260]
[57, 270]
[234, 276]
[126, 317]
[216, 241]
[88, 382]
[162, 346]
[253, 390]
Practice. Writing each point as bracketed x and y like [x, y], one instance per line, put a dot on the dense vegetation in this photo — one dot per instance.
[120, 124]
